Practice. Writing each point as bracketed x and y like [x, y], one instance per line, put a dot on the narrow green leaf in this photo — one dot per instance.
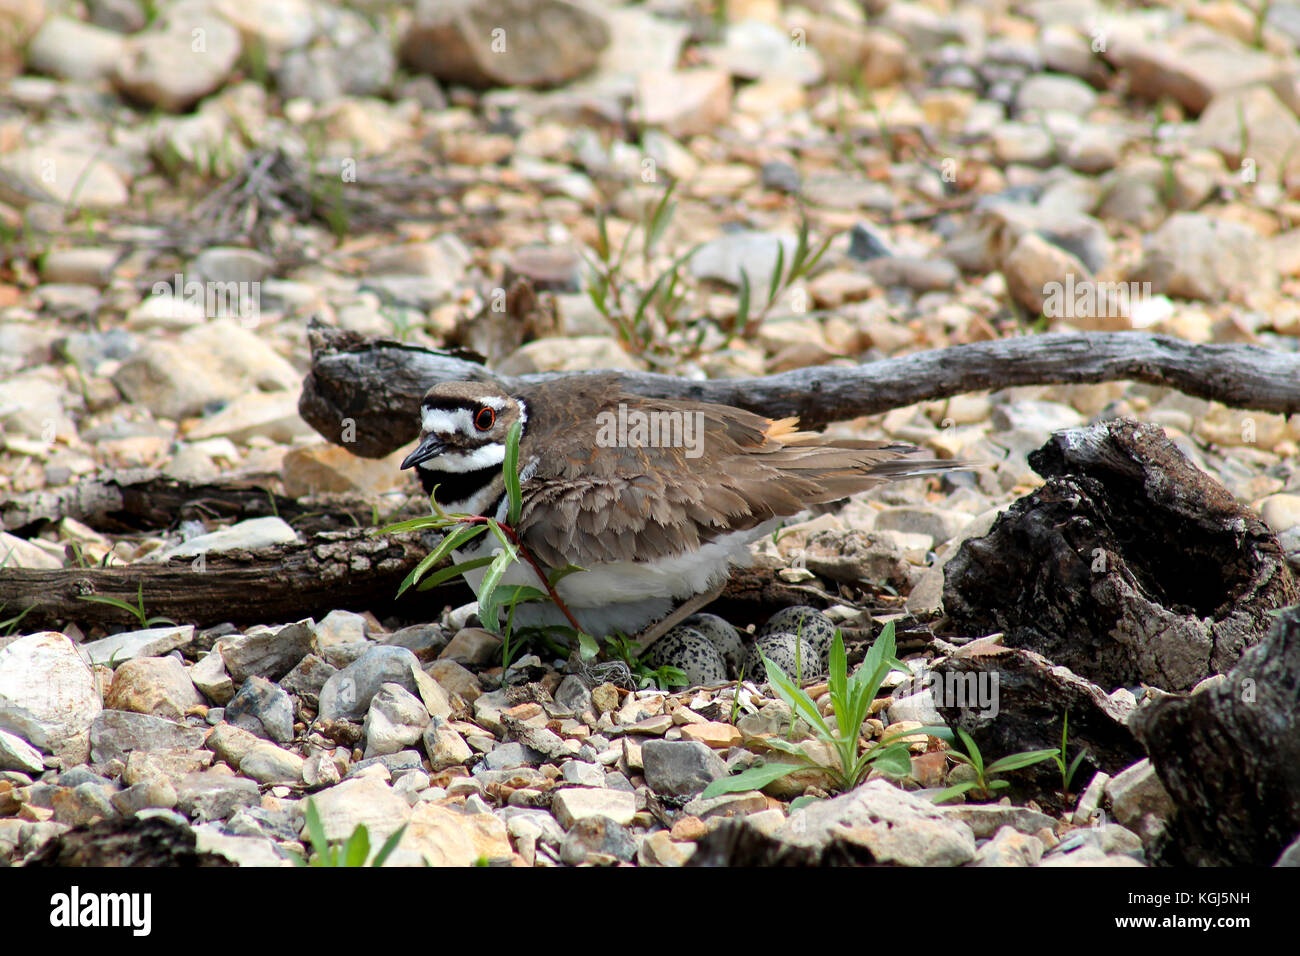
[1017, 761]
[793, 695]
[357, 848]
[811, 264]
[976, 758]
[755, 778]
[389, 846]
[742, 306]
[951, 793]
[511, 472]
[800, 802]
[451, 571]
[316, 829]
[559, 574]
[488, 609]
[587, 646]
[774, 286]
[451, 542]
[893, 760]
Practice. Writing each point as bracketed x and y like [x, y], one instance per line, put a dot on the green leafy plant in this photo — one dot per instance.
[136, 610]
[851, 699]
[354, 851]
[462, 529]
[651, 319]
[985, 783]
[10, 624]
[1069, 769]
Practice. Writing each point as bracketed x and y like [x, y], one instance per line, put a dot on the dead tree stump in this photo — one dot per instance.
[1128, 566]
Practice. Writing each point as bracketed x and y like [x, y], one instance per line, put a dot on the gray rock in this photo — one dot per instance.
[1196, 256]
[115, 734]
[232, 744]
[266, 652]
[895, 826]
[780, 177]
[120, 16]
[753, 253]
[418, 638]
[157, 792]
[262, 708]
[548, 42]
[582, 774]
[308, 678]
[323, 74]
[348, 693]
[161, 69]
[753, 49]
[212, 795]
[940, 524]
[573, 695]
[597, 837]
[83, 804]
[986, 819]
[508, 756]
[395, 720]
[210, 677]
[695, 654]
[919, 275]
[1047, 91]
[231, 264]
[401, 762]
[722, 636]
[1138, 798]
[865, 244]
[1009, 847]
[445, 746]
[680, 767]
[151, 642]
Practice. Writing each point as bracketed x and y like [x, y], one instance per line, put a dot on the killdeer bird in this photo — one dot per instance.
[656, 499]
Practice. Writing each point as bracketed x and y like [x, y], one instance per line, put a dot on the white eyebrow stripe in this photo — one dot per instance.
[496, 403]
[486, 456]
[523, 411]
[439, 421]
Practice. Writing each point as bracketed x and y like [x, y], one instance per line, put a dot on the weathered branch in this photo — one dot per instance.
[372, 388]
[142, 500]
[350, 569]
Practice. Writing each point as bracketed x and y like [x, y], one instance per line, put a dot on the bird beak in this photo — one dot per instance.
[430, 447]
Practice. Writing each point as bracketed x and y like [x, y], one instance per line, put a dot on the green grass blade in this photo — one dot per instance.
[357, 849]
[778, 273]
[511, 471]
[451, 542]
[794, 696]
[755, 778]
[444, 574]
[1017, 761]
[389, 846]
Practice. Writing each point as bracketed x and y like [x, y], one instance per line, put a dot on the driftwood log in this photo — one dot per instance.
[1128, 566]
[365, 393]
[344, 569]
[1229, 756]
[142, 500]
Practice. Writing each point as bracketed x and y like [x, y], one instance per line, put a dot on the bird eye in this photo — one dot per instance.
[485, 419]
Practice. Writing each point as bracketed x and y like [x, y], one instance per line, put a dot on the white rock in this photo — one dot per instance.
[48, 695]
[151, 642]
[16, 552]
[247, 535]
[18, 754]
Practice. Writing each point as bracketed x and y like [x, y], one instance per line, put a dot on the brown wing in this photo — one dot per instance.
[590, 501]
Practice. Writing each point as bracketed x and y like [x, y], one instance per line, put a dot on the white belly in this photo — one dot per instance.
[623, 595]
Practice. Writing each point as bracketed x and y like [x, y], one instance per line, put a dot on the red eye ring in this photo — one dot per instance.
[485, 419]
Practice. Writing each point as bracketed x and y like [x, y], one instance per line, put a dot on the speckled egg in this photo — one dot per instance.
[723, 636]
[817, 628]
[694, 653]
[781, 649]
